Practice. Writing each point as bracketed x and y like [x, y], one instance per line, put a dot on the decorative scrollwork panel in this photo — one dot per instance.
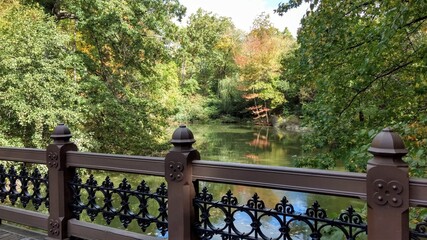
[420, 231]
[86, 197]
[23, 186]
[254, 221]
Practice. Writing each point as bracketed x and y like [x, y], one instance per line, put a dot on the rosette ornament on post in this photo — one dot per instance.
[387, 187]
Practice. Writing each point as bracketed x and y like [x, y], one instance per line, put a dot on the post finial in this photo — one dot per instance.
[182, 138]
[388, 143]
[61, 134]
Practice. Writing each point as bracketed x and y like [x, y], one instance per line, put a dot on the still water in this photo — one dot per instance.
[265, 146]
[245, 144]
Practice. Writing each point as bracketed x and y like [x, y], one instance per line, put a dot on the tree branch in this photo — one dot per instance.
[359, 6]
[415, 21]
[384, 74]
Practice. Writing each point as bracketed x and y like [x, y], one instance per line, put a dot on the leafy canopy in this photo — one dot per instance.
[361, 66]
[97, 65]
[36, 90]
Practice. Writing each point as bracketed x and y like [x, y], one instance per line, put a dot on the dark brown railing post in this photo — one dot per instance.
[181, 191]
[59, 196]
[387, 187]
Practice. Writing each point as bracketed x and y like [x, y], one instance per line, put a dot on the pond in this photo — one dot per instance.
[246, 144]
[266, 146]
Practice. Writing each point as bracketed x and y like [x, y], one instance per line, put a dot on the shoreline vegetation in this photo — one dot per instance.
[291, 123]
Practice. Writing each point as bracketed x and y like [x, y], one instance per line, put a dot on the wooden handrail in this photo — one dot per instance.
[27, 155]
[117, 163]
[283, 178]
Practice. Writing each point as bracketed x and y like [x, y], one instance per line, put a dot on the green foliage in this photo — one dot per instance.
[221, 64]
[129, 85]
[36, 89]
[284, 7]
[190, 86]
[230, 97]
[102, 67]
[360, 67]
[319, 161]
[206, 53]
[196, 108]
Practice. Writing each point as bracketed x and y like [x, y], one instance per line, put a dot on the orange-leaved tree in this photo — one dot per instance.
[259, 62]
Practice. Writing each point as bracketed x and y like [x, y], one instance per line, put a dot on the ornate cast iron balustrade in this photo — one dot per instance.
[224, 219]
[315, 218]
[124, 192]
[24, 186]
[420, 231]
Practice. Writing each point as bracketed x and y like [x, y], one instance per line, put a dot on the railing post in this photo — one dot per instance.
[181, 191]
[387, 187]
[59, 175]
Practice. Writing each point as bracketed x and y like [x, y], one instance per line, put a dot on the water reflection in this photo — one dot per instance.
[265, 146]
[246, 144]
[260, 140]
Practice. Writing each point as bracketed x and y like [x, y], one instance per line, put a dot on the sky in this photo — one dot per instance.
[243, 12]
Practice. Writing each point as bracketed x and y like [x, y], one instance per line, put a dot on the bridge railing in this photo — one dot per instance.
[183, 211]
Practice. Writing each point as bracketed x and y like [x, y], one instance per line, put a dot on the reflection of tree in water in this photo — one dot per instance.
[246, 144]
[261, 141]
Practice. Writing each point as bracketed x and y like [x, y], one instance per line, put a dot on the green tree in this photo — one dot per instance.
[207, 48]
[206, 51]
[36, 91]
[103, 67]
[124, 46]
[361, 66]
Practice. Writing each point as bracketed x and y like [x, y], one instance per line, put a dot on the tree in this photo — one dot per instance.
[361, 65]
[259, 63]
[100, 66]
[208, 45]
[208, 71]
[36, 90]
[123, 46]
